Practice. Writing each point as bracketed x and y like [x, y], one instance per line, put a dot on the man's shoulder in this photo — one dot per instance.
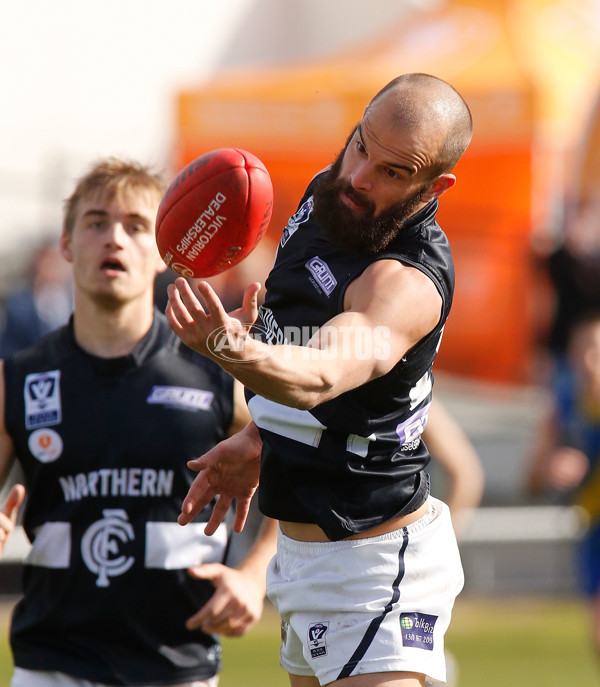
[171, 345]
[53, 345]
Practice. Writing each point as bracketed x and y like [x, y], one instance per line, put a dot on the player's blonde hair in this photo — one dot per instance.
[116, 177]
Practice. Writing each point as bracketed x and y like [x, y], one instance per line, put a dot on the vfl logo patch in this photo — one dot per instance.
[316, 639]
[417, 630]
[42, 399]
[323, 279]
[181, 397]
[100, 545]
[293, 222]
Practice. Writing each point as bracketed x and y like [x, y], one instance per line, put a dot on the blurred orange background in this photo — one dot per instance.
[529, 70]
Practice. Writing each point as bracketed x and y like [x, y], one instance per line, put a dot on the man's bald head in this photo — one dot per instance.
[425, 102]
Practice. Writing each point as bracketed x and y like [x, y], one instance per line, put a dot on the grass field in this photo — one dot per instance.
[496, 643]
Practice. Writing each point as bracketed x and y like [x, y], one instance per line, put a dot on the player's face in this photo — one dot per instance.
[377, 182]
[113, 247]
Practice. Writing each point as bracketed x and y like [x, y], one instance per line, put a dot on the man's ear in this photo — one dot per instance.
[438, 187]
[65, 247]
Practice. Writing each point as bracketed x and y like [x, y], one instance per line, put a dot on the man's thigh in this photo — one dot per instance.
[371, 680]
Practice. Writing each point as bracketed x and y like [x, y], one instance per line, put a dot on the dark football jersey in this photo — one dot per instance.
[103, 444]
[358, 460]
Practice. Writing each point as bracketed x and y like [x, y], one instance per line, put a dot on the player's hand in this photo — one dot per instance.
[236, 604]
[566, 468]
[230, 470]
[201, 326]
[8, 514]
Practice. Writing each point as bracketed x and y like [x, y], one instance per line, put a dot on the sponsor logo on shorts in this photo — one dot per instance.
[417, 630]
[316, 639]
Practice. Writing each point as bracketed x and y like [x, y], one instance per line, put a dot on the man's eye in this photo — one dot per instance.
[360, 147]
[391, 173]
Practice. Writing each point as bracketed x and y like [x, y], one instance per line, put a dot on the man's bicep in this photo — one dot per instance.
[396, 304]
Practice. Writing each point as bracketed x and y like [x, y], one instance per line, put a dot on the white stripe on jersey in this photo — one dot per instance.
[51, 546]
[292, 423]
[170, 546]
[298, 425]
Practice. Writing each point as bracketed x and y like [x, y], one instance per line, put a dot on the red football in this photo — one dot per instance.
[214, 212]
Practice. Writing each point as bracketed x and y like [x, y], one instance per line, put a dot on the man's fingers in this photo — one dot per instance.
[241, 514]
[13, 502]
[250, 302]
[199, 495]
[189, 300]
[213, 302]
[176, 308]
[218, 515]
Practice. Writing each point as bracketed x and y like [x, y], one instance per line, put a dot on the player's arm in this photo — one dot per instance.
[9, 509]
[241, 414]
[239, 592]
[553, 465]
[452, 449]
[388, 309]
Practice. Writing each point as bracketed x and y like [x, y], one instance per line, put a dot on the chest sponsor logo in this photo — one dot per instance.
[42, 399]
[101, 544]
[316, 639]
[417, 630]
[296, 220]
[182, 397]
[46, 445]
[323, 279]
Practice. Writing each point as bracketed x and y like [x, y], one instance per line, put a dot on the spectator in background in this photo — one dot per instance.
[565, 465]
[42, 304]
[574, 274]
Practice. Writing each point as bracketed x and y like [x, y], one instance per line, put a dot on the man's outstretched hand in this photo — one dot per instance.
[230, 471]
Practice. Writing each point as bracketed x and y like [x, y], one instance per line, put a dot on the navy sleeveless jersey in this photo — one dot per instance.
[103, 444]
[358, 460]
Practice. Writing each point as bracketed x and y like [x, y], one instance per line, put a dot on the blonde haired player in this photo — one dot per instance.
[103, 415]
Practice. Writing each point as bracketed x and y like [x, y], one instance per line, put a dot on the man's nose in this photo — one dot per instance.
[361, 177]
[115, 233]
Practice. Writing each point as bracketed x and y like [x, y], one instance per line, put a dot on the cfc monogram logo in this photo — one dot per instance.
[100, 545]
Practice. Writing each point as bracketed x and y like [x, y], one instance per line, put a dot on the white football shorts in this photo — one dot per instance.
[372, 605]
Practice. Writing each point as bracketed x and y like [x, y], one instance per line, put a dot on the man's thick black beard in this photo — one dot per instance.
[354, 233]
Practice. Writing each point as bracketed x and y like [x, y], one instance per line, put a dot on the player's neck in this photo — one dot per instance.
[111, 332]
